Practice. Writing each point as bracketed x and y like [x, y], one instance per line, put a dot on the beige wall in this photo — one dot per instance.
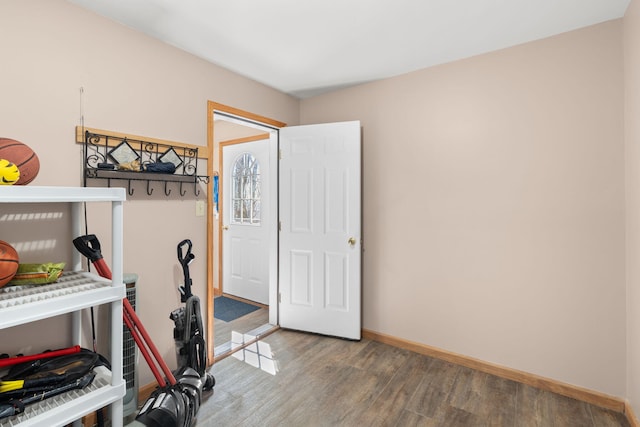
[132, 84]
[632, 162]
[494, 205]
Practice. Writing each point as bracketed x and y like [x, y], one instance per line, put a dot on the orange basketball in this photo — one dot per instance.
[8, 262]
[22, 156]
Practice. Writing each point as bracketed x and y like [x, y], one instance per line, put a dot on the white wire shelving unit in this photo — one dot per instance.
[73, 292]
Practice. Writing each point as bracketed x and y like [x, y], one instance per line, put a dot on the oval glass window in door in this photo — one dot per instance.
[245, 190]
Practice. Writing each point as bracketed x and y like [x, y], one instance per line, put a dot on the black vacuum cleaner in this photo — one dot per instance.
[191, 347]
[178, 405]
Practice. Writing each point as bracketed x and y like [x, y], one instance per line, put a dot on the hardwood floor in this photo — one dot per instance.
[222, 330]
[331, 382]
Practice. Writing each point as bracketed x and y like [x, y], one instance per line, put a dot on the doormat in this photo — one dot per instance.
[229, 309]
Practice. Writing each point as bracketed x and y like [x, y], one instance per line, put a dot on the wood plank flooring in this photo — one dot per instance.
[222, 330]
[331, 382]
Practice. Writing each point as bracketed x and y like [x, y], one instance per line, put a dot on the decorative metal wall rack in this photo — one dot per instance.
[115, 158]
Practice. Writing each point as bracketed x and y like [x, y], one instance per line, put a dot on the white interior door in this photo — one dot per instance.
[320, 237]
[246, 220]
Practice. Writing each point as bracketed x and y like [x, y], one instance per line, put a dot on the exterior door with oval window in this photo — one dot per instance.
[245, 241]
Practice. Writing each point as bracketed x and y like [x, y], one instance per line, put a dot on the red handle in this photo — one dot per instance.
[102, 269]
[141, 337]
[10, 361]
[138, 332]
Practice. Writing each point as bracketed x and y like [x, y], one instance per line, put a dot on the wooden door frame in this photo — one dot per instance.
[213, 107]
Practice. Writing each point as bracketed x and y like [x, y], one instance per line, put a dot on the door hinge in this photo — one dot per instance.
[280, 154]
[279, 297]
[279, 225]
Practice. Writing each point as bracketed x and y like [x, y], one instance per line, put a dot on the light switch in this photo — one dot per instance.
[200, 207]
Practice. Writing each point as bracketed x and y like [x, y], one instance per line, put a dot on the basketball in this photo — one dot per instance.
[22, 156]
[8, 262]
[9, 172]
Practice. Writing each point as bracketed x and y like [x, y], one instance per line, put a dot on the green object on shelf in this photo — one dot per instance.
[37, 274]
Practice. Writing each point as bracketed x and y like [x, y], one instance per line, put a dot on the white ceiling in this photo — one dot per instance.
[308, 47]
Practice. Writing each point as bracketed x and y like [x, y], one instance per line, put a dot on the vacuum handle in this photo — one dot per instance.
[185, 260]
[188, 257]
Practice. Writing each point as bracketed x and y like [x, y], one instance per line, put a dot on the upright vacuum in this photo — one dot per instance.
[191, 347]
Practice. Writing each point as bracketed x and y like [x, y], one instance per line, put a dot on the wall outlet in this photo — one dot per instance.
[201, 208]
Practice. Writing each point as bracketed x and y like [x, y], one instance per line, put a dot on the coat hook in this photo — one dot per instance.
[167, 190]
[182, 193]
[149, 189]
[130, 190]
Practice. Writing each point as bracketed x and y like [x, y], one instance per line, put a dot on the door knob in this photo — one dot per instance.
[352, 241]
[225, 227]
